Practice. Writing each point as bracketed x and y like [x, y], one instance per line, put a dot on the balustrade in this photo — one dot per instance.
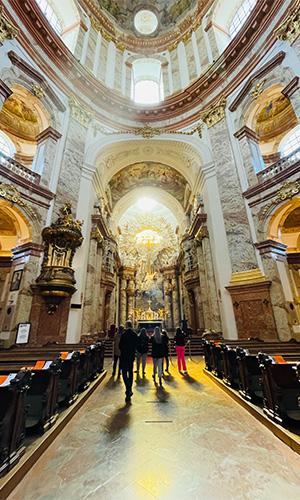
[279, 166]
[17, 168]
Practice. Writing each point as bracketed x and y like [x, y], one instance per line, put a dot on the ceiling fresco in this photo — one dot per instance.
[168, 12]
[19, 118]
[292, 222]
[150, 174]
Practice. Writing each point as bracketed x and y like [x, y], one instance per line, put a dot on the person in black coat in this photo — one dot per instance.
[127, 345]
[166, 340]
[158, 353]
[142, 351]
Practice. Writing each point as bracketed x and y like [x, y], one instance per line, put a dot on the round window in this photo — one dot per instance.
[145, 22]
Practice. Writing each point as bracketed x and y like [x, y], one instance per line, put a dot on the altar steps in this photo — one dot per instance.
[194, 349]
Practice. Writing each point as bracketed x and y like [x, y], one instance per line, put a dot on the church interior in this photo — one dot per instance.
[150, 176]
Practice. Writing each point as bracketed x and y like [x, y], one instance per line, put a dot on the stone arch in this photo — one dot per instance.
[15, 229]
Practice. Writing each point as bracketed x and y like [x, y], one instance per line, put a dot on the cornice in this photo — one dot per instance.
[5, 91]
[264, 70]
[175, 106]
[167, 40]
[37, 77]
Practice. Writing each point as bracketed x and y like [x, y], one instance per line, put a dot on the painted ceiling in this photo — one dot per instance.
[150, 174]
[168, 12]
[147, 238]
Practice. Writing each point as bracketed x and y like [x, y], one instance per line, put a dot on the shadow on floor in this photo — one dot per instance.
[192, 381]
[118, 421]
[162, 395]
[112, 382]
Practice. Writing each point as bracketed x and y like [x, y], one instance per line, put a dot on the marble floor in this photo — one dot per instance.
[188, 440]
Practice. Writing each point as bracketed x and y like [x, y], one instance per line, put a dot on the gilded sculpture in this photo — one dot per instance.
[8, 31]
[290, 28]
[215, 114]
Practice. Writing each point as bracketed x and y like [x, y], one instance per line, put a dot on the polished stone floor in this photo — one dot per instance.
[186, 441]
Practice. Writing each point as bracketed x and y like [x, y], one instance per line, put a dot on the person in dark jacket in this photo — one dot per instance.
[166, 341]
[116, 351]
[180, 341]
[142, 351]
[127, 345]
[158, 353]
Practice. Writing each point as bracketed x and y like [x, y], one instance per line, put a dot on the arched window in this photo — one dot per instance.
[64, 18]
[147, 84]
[291, 142]
[7, 147]
[51, 16]
[241, 16]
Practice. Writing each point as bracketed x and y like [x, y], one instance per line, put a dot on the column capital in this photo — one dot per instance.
[215, 113]
[48, 133]
[248, 133]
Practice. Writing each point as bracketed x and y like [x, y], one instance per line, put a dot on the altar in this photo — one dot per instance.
[149, 324]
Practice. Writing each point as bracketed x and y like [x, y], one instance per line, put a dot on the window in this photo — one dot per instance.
[241, 16]
[147, 84]
[50, 15]
[290, 142]
[6, 145]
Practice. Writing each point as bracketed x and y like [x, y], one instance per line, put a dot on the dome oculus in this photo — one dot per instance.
[145, 22]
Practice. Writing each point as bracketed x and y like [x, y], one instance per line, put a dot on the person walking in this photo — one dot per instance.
[158, 353]
[180, 341]
[127, 345]
[166, 342]
[142, 351]
[116, 351]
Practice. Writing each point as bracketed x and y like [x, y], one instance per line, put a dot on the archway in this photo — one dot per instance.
[285, 228]
[15, 231]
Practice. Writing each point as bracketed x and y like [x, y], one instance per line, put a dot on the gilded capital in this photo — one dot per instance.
[289, 30]
[7, 30]
[215, 114]
[79, 112]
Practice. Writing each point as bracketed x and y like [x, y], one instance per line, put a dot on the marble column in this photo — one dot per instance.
[251, 154]
[212, 40]
[183, 67]
[275, 266]
[170, 75]
[168, 303]
[204, 296]
[175, 303]
[47, 142]
[110, 66]
[240, 244]
[90, 320]
[123, 301]
[196, 53]
[165, 78]
[130, 299]
[97, 54]
[81, 44]
[80, 263]
[5, 92]
[73, 158]
[213, 302]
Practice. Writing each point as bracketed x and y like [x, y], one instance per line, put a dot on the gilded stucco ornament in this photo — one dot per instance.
[290, 28]
[7, 30]
[10, 193]
[37, 90]
[80, 113]
[215, 114]
[256, 91]
[286, 192]
[202, 233]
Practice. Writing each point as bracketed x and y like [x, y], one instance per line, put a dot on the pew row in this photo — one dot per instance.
[263, 374]
[53, 380]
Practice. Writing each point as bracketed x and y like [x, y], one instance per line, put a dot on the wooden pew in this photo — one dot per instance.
[13, 388]
[281, 390]
[42, 395]
[68, 378]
